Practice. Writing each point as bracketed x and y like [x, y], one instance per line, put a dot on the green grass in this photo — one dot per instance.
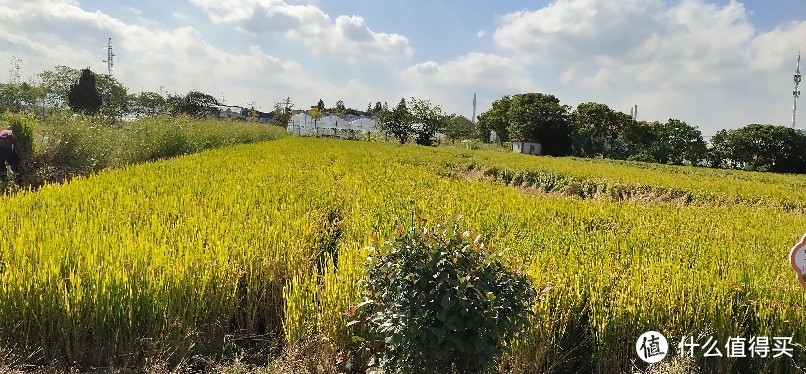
[68, 146]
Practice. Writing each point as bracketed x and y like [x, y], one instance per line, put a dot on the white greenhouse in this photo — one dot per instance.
[331, 125]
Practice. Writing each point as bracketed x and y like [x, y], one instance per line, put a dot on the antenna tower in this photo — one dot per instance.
[473, 119]
[14, 71]
[109, 56]
[796, 92]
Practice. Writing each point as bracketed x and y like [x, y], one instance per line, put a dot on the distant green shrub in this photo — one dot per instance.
[22, 125]
[642, 157]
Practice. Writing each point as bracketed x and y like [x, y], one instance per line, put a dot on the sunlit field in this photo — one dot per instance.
[260, 247]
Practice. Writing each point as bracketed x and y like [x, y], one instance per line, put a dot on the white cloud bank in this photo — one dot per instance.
[347, 37]
[698, 61]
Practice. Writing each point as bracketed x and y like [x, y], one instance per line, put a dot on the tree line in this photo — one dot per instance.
[595, 130]
[589, 130]
[83, 91]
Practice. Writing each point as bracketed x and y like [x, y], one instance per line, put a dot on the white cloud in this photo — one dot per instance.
[481, 33]
[134, 11]
[180, 59]
[690, 59]
[452, 83]
[573, 29]
[347, 37]
[179, 16]
[474, 68]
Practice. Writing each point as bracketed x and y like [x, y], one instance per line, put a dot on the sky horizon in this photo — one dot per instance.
[715, 64]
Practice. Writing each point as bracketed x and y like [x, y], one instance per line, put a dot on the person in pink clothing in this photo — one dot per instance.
[8, 154]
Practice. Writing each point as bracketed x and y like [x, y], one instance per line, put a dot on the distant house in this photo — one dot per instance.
[530, 148]
[231, 112]
[266, 117]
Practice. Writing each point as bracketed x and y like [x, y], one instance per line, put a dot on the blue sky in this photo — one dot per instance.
[714, 64]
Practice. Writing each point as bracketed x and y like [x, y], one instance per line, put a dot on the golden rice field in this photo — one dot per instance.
[264, 244]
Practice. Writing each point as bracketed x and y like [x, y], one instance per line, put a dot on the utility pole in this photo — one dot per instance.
[109, 56]
[796, 92]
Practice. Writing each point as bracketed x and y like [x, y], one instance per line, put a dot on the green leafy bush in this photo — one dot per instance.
[22, 125]
[441, 301]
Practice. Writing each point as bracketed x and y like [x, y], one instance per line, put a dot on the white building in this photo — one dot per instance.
[527, 148]
[364, 124]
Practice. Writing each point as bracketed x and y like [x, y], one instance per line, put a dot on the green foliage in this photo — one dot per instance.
[283, 112]
[495, 119]
[642, 157]
[340, 108]
[18, 97]
[761, 148]
[539, 117]
[442, 301]
[115, 99]
[147, 104]
[427, 120]
[678, 143]
[22, 125]
[81, 145]
[457, 128]
[599, 131]
[84, 96]
[377, 108]
[56, 85]
[195, 104]
[396, 122]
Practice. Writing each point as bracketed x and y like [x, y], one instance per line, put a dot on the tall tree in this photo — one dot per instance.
[458, 127]
[147, 104]
[317, 113]
[84, 96]
[382, 118]
[57, 84]
[680, 143]
[761, 147]
[540, 118]
[113, 96]
[599, 131]
[340, 108]
[16, 97]
[195, 104]
[282, 112]
[396, 122]
[495, 119]
[427, 120]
